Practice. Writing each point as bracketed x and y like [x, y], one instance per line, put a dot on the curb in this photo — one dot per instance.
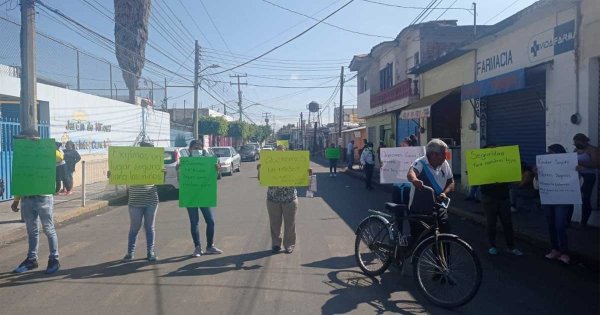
[20, 233]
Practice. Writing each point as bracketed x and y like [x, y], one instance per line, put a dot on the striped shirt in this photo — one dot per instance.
[143, 195]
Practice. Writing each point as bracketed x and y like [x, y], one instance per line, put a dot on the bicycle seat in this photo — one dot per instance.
[394, 207]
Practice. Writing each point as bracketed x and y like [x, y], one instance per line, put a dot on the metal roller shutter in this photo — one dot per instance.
[517, 118]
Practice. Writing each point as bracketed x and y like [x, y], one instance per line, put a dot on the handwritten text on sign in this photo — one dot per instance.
[34, 167]
[558, 179]
[198, 182]
[284, 168]
[136, 166]
[494, 165]
[395, 163]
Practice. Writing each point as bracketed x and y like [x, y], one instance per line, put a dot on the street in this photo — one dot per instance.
[319, 277]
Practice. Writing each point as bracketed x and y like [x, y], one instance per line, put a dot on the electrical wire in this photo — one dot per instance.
[412, 7]
[502, 11]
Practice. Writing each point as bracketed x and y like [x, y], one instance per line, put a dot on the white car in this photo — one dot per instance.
[268, 148]
[229, 160]
[172, 156]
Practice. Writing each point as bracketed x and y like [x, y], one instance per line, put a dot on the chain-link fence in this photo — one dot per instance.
[62, 64]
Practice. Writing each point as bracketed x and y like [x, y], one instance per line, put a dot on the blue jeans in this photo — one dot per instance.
[350, 159]
[332, 166]
[195, 220]
[136, 215]
[558, 220]
[32, 208]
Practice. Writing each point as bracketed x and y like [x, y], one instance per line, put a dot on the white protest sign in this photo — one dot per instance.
[558, 179]
[395, 163]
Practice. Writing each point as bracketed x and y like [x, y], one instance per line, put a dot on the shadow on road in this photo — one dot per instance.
[221, 265]
[103, 270]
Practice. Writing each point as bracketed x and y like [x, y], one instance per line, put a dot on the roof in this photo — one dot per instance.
[440, 61]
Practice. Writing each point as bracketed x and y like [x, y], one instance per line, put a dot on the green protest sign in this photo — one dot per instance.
[198, 182]
[136, 165]
[284, 168]
[494, 165]
[333, 153]
[34, 167]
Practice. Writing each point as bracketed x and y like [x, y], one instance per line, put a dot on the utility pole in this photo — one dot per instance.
[28, 78]
[166, 98]
[266, 117]
[474, 20]
[196, 85]
[238, 76]
[341, 113]
[302, 129]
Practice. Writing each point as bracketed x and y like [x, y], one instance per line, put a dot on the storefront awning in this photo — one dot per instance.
[422, 108]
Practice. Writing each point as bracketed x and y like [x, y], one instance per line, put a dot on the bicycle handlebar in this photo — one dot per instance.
[438, 205]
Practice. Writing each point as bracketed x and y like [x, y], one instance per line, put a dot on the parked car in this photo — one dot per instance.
[256, 145]
[268, 148]
[249, 152]
[172, 157]
[229, 160]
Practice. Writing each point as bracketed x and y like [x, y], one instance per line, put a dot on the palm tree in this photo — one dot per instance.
[131, 35]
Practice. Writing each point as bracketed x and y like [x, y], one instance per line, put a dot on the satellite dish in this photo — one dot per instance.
[313, 107]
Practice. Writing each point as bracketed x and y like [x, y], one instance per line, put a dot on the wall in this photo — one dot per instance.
[589, 54]
[73, 113]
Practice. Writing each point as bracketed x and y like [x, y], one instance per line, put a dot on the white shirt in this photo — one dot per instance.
[441, 174]
[367, 157]
[350, 148]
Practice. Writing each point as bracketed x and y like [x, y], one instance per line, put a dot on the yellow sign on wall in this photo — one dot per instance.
[136, 166]
[284, 168]
[494, 165]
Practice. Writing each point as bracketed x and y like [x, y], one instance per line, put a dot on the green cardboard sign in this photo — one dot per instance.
[494, 165]
[197, 182]
[34, 167]
[136, 165]
[333, 153]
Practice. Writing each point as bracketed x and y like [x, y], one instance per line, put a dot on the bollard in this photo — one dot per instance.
[83, 183]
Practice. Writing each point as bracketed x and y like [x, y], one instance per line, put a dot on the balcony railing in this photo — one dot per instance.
[399, 91]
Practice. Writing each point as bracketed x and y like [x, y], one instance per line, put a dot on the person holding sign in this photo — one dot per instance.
[557, 215]
[333, 154]
[197, 150]
[434, 171]
[143, 205]
[37, 205]
[282, 205]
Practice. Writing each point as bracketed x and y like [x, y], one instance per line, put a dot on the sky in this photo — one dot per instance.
[231, 32]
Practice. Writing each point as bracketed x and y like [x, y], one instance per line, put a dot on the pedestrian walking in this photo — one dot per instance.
[557, 217]
[282, 205]
[34, 208]
[588, 157]
[431, 170]
[60, 170]
[350, 154]
[196, 148]
[367, 160]
[72, 157]
[495, 199]
[332, 164]
[143, 206]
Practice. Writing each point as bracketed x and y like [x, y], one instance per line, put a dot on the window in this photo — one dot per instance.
[363, 85]
[386, 79]
[416, 59]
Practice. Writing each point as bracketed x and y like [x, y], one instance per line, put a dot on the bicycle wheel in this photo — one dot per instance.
[448, 273]
[372, 261]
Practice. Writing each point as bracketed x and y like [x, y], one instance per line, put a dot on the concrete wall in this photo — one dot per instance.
[112, 122]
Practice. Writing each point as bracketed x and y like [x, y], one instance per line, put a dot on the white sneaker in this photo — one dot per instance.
[197, 252]
[213, 250]
[334, 175]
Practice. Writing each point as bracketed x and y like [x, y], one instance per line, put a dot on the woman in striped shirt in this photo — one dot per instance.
[143, 204]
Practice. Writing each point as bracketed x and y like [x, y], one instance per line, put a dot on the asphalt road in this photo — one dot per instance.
[320, 277]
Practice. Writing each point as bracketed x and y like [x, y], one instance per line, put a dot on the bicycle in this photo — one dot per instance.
[446, 280]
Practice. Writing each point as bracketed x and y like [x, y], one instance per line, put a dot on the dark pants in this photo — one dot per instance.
[195, 220]
[558, 219]
[586, 195]
[60, 176]
[68, 180]
[369, 175]
[494, 209]
[332, 166]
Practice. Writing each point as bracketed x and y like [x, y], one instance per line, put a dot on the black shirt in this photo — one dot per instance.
[496, 191]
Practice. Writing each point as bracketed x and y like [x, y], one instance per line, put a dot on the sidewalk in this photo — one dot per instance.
[98, 196]
[529, 226]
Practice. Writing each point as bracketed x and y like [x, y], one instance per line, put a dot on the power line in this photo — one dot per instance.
[326, 23]
[445, 11]
[288, 41]
[502, 11]
[214, 25]
[412, 7]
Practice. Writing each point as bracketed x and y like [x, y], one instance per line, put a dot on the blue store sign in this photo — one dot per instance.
[507, 82]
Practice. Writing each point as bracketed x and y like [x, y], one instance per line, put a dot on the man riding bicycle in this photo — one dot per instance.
[434, 171]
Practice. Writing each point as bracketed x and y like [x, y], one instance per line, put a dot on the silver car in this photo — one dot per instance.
[229, 160]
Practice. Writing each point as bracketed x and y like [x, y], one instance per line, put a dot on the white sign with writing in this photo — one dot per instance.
[396, 162]
[558, 179]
